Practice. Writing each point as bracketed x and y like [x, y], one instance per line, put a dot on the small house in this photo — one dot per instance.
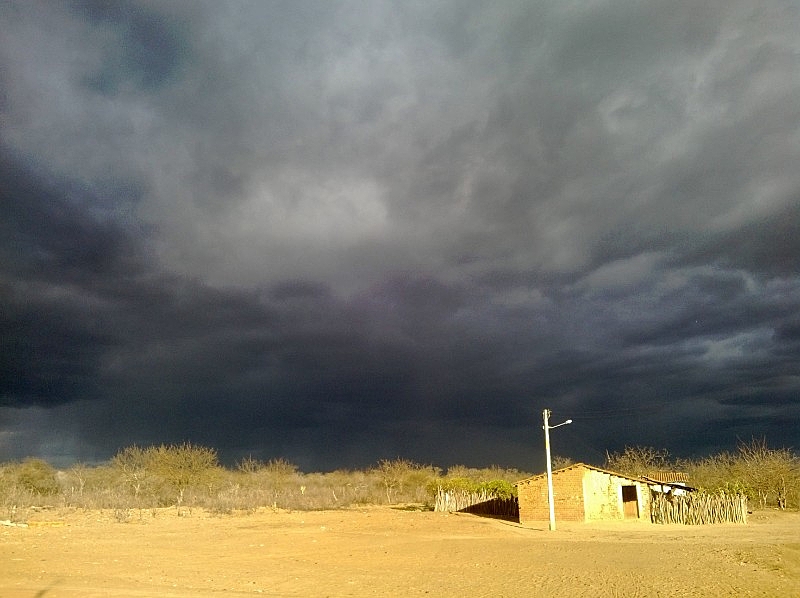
[584, 493]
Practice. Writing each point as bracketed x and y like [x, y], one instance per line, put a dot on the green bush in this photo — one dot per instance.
[496, 488]
[499, 489]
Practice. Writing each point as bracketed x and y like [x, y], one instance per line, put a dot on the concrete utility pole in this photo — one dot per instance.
[547, 427]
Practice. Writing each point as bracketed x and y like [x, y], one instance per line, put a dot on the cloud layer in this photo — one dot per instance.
[337, 232]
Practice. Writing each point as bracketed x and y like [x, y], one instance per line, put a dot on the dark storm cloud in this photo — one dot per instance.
[55, 242]
[144, 50]
[339, 232]
[54, 228]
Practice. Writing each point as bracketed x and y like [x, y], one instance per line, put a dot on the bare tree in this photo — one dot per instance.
[560, 462]
[771, 474]
[393, 475]
[132, 463]
[638, 460]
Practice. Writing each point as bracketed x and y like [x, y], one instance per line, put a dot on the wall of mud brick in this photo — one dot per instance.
[603, 496]
[567, 497]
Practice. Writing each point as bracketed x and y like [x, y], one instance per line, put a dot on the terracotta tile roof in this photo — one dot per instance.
[667, 477]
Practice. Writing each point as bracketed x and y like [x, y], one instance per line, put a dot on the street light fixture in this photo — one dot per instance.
[547, 427]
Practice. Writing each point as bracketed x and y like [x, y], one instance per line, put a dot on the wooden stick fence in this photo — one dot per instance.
[698, 508]
[479, 503]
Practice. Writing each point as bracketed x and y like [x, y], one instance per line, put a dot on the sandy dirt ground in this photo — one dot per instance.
[383, 551]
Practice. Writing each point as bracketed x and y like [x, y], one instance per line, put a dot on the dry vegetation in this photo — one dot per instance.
[188, 476]
[767, 477]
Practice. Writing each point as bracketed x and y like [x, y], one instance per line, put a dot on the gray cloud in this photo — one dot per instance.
[337, 232]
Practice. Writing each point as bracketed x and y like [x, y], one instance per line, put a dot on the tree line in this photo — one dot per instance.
[768, 477]
[187, 476]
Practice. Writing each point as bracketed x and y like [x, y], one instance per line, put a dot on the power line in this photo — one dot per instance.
[611, 413]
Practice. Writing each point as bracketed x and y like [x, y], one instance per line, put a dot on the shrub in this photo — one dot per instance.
[167, 472]
[486, 474]
[183, 466]
[38, 476]
[404, 480]
[499, 489]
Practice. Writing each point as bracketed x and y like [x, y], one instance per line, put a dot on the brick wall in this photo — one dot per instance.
[567, 497]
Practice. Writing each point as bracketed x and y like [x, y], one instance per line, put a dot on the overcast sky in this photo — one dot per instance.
[336, 232]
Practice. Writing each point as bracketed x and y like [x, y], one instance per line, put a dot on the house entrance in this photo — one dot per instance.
[630, 502]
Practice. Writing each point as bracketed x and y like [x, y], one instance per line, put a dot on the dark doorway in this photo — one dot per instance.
[630, 502]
